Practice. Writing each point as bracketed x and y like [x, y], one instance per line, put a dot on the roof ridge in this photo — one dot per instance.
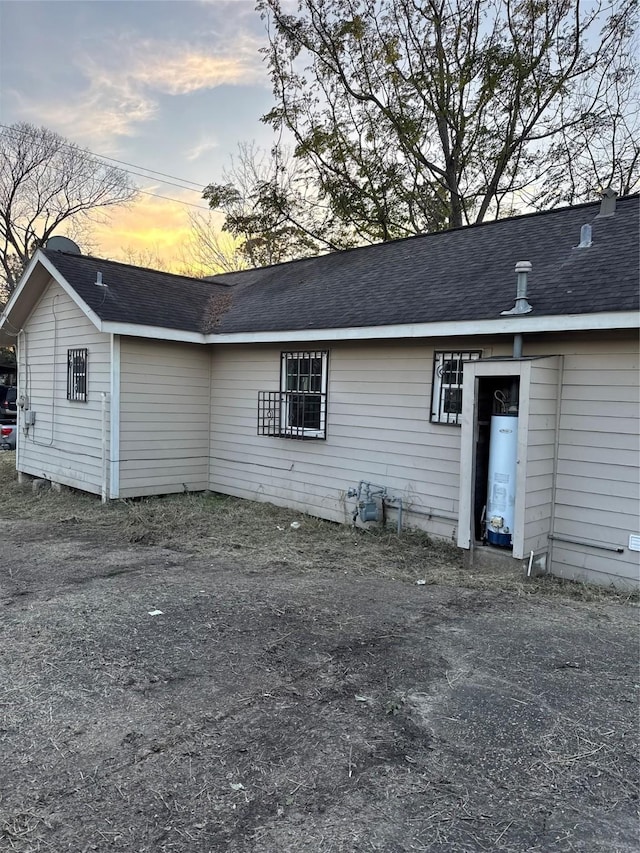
[433, 234]
[218, 278]
[111, 261]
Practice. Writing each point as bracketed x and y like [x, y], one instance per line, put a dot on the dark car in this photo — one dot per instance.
[8, 407]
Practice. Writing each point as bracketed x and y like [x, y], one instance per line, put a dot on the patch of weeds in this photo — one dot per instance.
[395, 705]
[260, 535]
[548, 585]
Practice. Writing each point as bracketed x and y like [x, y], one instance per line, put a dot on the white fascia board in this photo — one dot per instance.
[466, 328]
[449, 329]
[71, 293]
[136, 330]
[39, 258]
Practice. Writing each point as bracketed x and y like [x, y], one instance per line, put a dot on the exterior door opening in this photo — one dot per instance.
[495, 460]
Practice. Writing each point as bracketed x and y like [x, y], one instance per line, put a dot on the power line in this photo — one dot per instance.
[129, 172]
[176, 200]
[168, 183]
[153, 171]
[115, 160]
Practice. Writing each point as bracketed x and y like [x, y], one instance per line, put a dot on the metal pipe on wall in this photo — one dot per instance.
[105, 470]
[588, 543]
[517, 346]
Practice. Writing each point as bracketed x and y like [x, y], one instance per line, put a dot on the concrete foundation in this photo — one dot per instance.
[486, 558]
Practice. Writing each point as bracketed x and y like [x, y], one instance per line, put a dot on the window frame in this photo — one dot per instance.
[77, 374]
[286, 357]
[439, 388]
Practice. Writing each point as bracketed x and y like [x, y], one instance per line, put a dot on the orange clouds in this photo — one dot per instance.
[151, 232]
[146, 228]
[181, 70]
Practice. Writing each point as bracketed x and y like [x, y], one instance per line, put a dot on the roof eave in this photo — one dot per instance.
[138, 330]
[527, 324]
[22, 282]
[467, 328]
[21, 296]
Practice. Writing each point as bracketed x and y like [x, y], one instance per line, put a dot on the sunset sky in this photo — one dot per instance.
[168, 86]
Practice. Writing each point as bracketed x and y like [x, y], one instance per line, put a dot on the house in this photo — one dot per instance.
[370, 378]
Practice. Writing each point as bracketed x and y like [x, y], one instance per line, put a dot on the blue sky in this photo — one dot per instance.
[172, 86]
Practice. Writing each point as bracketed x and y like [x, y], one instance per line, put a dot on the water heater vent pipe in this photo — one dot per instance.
[523, 268]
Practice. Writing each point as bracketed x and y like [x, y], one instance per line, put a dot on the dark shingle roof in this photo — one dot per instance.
[464, 274]
[138, 295]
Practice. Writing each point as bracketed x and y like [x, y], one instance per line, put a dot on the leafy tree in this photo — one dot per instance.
[271, 209]
[415, 115]
[47, 182]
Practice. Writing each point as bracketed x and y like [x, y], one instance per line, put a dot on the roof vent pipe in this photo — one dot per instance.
[608, 203]
[585, 237]
[523, 268]
[99, 281]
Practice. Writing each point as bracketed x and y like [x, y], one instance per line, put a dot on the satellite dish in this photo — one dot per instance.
[62, 244]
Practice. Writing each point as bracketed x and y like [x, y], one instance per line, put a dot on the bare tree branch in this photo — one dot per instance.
[47, 182]
[415, 115]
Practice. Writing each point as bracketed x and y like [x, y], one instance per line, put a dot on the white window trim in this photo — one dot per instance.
[437, 398]
[284, 414]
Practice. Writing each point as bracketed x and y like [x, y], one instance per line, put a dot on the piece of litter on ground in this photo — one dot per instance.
[421, 582]
[237, 786]
[361, 698]
[295, 525]
[279, 528]
[155, 612]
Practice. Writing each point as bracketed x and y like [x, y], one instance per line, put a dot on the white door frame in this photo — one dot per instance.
[473, 372]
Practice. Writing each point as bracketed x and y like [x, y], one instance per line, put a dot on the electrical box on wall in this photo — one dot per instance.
[29, 417]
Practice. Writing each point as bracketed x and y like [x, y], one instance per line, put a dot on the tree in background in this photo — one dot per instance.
[47, 182]
[272, 209]
[601, 151]
[205, 252]
[150, 257]
[415, 116]
[210, 251]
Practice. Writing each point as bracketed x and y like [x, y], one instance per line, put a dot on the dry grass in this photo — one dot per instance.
[260, 535]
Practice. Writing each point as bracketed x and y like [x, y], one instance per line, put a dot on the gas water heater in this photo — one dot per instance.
[501, 485]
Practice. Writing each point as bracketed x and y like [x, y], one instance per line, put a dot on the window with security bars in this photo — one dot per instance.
[446, 392]
[77, 375]
[299, 408]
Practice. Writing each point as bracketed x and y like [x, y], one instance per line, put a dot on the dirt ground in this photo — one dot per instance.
[284, 704]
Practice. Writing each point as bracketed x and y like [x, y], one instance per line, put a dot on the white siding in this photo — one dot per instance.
[542, 408]
[378, 430]
[164, 417]
[597, 485]
[65, 445]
